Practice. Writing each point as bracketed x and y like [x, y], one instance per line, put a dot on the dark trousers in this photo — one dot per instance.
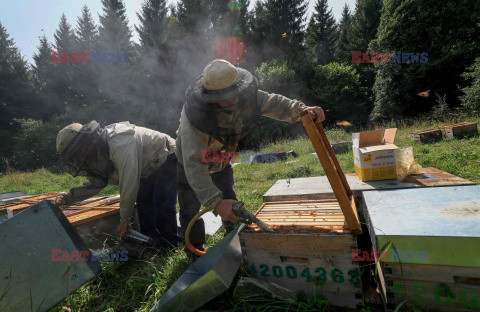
[190, 205]
[156, 205]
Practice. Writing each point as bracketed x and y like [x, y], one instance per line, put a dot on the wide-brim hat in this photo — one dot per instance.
[221, 81]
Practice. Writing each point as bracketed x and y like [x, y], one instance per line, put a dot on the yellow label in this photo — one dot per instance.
[367, 158]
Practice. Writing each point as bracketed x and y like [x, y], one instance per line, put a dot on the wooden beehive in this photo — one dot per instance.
[460, 130]
[310, 248]
[95, 219]
[95, 224]
[434, 234]
[23, 203]
[309, 251]
[427, 136]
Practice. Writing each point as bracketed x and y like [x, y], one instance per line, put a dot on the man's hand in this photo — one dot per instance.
[317, 113]
[123, 227]
[224, 209]
[59, 201]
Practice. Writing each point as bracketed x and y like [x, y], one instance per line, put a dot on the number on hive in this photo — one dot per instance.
[355, 277]
[277, 271]
[443, 294]
[264, 268]
[253, 270]
[337, 276]
[306, 274]
[321, 278]
[291, 272]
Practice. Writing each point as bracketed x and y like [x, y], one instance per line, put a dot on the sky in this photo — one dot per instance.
[27, 20]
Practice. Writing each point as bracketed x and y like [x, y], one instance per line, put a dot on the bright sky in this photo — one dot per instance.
[26, 20]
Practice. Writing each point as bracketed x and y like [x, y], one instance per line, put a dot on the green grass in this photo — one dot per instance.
[138, 285]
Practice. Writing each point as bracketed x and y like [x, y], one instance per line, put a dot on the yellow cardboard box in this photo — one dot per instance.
[374, 158]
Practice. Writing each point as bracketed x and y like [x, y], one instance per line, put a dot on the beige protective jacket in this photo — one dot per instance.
[136, 152]
[191, 142]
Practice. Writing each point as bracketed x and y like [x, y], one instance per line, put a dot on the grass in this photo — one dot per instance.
[138, 285]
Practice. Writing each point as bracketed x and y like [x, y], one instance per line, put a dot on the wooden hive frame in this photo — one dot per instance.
[333, 171]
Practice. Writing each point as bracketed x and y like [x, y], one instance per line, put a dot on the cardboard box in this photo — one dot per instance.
[374, 158]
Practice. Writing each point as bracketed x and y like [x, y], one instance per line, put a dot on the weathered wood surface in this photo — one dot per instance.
[443, 222]
[90, 214]
[460, 130]
[25, 202]
[317, 263]
[315, 188]
[431, 273]
[427, 136]
[333, 171]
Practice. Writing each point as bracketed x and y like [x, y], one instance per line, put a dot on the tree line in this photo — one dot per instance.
[310, 60]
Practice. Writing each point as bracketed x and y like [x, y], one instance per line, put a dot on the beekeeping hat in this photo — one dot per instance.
[221, 81]
[66, 135]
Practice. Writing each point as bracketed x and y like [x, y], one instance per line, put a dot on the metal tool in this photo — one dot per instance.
[247, 217]
[139, 237]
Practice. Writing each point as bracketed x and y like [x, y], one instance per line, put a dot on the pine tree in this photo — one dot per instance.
[277, 27]
[365, 24]
[16, 100]
[15, 81]
[116, 80]
[153, 22]
[342, 45]
[194, 17]
[115, 34]
[86, 74]
[86, 31]
[44, 74]
[322, 26]
[65, 40]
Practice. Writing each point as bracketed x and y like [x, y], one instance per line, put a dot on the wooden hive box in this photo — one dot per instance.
[309, 251]
[95, 224]
[23, 203]
[427, 136]
[460, 130]
[434, 233]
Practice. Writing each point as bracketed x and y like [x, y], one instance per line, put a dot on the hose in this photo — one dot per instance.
[196, 251]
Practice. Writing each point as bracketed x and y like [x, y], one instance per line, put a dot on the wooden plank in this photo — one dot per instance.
[431, 273]
[91, 214]
[333, 171]
[318, 188]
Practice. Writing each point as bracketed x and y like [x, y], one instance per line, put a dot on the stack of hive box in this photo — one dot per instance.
[432, 238]
[310, 248]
